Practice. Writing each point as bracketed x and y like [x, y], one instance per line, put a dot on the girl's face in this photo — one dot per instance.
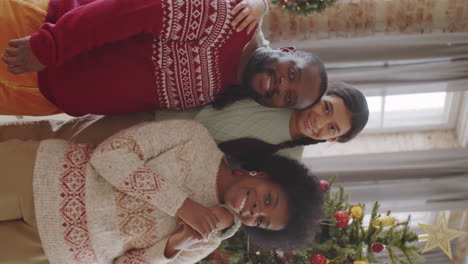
[258, 202]
[327, 120]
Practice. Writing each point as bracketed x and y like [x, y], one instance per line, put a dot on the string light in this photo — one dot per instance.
[303, 7]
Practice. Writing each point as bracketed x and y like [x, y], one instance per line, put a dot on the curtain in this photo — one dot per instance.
[360, 18]
[389, 63]
[384, 46]
[402, 181]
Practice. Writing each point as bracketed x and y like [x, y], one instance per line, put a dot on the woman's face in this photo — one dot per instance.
[258, 202]
[326, 120]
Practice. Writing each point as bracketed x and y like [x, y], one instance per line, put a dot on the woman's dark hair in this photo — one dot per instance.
[356, 103]
[305, 201]
[354, 100]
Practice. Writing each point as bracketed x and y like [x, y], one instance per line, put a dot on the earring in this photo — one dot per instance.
[252, 173]
[287, 49]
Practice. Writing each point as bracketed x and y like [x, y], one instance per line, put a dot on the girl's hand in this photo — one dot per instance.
[249, 12]
[20, 58]
[199, 217]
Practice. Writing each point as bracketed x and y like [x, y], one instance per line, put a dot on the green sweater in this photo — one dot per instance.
[245, 118]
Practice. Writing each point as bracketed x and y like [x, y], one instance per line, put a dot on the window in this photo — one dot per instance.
[416, 111]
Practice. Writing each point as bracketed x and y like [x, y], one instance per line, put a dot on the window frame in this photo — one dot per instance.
[452, 105]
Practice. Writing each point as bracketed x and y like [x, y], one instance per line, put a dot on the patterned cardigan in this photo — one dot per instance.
[116, 203]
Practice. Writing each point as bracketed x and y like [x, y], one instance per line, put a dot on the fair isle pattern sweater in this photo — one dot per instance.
[145, 54]
[115, 203]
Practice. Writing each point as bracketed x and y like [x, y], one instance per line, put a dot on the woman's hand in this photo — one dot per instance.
[20, 58]
[199, 217]
[183, 238]
[226, 219]
[249, 12]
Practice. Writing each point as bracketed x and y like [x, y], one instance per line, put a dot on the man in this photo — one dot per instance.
[280, 78]
[114, 57]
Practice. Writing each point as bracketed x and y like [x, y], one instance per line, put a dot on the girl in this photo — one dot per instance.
[120, 202]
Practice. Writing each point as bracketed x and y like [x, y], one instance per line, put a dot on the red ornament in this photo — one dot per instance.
[219, 256]
[342, 218]
[377, 247]
[324, 185]
[289, 254]
[318, 259]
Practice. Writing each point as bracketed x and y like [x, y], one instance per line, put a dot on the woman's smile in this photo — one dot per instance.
[242, 204]
[310, 126]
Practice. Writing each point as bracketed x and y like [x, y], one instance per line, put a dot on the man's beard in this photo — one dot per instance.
[257, 64]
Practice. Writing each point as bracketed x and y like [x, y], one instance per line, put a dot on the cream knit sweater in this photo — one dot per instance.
[115, 203]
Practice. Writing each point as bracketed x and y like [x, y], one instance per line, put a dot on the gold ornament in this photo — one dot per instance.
[439, 235]
[360, 262]
[384, 220]
[258, 253]
[356, 211]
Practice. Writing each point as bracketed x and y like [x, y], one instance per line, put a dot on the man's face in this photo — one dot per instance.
[284, 80]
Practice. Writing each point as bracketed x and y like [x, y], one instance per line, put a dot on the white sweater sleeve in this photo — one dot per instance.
[155, 253]
[196, 253]
[121, 161]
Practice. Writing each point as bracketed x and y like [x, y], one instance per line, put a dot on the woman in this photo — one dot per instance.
[282, 128]
[119, 202]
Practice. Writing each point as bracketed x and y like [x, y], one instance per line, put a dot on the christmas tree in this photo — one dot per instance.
[343, 239]
[303, 7]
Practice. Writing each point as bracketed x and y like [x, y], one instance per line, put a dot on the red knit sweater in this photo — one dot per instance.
[118, 56]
